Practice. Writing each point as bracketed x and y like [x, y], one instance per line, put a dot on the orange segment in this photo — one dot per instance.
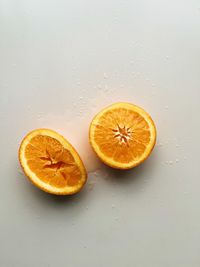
[122, 135]
[51, 162]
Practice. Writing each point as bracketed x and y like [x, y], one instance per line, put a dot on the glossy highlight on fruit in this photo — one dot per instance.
[123, 135]
[51, 163]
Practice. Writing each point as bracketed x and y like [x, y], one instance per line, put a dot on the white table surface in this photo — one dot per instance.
[61, 62]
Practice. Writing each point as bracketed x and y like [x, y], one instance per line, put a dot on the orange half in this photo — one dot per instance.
[122, 135]
[51, 163]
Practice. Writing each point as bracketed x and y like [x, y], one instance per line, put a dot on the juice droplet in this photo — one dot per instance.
[91, 186]
[105, 76]
[20, 172]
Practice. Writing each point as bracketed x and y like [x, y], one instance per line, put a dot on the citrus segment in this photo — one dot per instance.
[52, 163]
[122, 135]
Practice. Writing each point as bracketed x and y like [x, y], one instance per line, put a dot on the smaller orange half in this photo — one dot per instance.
[51, 163]
[122, 135]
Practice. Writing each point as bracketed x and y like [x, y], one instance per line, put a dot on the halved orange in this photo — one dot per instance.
[51, 163]
[122, 135]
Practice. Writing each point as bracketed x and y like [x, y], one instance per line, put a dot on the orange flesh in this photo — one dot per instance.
[122, 134]
[51, 162]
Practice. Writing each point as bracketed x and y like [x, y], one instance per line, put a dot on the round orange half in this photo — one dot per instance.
[122, 135]
[51, 163]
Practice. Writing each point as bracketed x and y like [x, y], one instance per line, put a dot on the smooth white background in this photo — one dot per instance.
[60, 63]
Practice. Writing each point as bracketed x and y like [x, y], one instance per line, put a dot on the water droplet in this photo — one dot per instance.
[113, 206]
[185, 158]
[166, 107]
[133, 73]
[170, 162]
[78, 83]
[177, 160]
[131, 62]
[166, 162]
[14, 65]
[167, 57]
[160, 144]
[177, 146]
[86, 208]
[116, 219]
